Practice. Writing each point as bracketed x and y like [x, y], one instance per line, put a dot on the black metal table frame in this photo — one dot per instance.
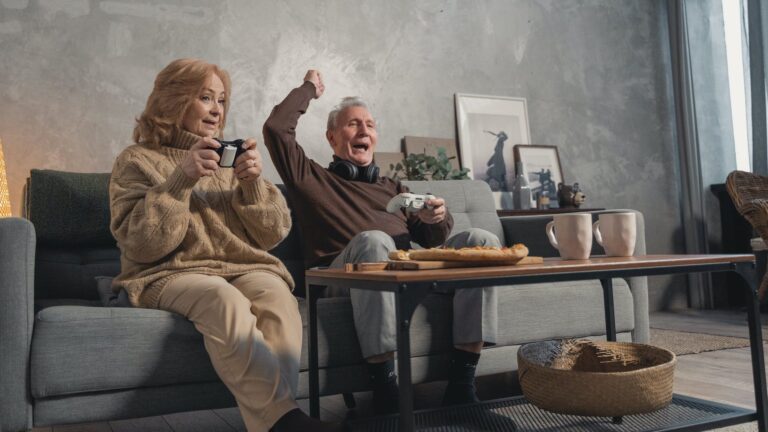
[409, 296]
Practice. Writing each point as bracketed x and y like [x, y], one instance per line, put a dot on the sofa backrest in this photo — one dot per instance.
[70, 212]
[470, 202]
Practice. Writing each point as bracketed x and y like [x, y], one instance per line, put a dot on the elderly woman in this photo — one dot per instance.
[193, 238]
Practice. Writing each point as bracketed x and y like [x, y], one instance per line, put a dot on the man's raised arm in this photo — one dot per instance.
[280, 128]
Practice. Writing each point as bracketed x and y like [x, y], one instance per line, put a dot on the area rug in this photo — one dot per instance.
[682, 343]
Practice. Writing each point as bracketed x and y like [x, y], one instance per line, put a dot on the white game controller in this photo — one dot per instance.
[409, 201]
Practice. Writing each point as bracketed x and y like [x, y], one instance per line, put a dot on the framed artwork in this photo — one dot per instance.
[429, 146]
[385, 159]
[488, 127]
[541, 165]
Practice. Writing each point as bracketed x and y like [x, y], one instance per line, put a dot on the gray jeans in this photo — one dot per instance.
[374, 312]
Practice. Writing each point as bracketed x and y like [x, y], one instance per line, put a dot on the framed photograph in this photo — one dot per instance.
[541, 165]
[488, 127]
[385, 159]
[429, 146]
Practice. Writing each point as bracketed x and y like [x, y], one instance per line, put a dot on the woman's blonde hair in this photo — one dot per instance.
[176, 87]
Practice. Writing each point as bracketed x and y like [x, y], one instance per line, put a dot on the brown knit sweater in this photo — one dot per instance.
[167, 224]
[330, 209]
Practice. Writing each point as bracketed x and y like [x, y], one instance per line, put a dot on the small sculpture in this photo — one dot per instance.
[570, 196]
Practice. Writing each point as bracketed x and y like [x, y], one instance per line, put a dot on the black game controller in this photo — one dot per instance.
[229, 151]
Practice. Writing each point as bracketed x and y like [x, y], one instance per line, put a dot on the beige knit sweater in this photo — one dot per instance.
[167, 224]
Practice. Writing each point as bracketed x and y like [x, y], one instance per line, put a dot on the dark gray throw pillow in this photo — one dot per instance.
[69, 209]
[108, 297]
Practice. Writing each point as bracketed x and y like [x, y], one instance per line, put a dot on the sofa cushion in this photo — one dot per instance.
[534, 312]
[84, 349]
[69, 208]
[79, 349]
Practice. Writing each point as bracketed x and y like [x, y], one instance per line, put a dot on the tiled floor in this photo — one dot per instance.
[720, 375]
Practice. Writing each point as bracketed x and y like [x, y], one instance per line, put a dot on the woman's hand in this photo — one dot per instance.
[315, 78]
[202, 159]
[248, 164]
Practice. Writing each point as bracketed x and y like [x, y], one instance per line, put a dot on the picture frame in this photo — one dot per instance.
[541, 166]
[429, 146]
[385, 159]
[487, 127]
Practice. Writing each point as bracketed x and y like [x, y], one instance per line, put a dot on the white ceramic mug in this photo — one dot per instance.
[571, 234]
[616, 233]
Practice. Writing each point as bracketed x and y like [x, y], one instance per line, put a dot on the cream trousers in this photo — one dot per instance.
[252, 331]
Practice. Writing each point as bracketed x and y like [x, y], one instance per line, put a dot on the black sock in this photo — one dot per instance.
[463, 365]
[382, 373]
[385, 390]
[461, 378]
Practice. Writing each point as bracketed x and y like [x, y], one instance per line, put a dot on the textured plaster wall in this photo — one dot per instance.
[75, 73]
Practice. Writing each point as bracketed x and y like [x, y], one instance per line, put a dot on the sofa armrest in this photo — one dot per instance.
[529, 230]
[17, 259]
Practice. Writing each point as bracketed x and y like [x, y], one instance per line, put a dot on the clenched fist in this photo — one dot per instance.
[315, 78]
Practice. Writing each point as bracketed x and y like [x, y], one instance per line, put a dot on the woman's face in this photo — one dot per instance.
[205, 115]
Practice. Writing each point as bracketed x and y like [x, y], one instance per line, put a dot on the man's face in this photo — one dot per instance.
[354, 137]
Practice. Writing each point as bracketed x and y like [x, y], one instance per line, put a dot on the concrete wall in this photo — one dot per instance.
[75, 73]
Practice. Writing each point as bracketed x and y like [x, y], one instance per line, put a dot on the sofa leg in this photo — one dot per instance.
[349, 400]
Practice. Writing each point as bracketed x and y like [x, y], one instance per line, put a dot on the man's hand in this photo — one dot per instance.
[315, 78]
[248, 165]
[202, 159]
[433, 215]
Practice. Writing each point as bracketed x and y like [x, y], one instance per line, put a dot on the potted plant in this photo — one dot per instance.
[420, 166]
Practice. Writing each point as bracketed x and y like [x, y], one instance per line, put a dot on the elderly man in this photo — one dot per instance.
[342, 213]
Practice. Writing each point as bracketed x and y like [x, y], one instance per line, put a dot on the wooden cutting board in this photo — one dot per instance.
[431, 265]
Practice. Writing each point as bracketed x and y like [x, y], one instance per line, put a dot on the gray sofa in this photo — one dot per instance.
[65, 357]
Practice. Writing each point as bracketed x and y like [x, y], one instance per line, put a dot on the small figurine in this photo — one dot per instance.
[570, 196]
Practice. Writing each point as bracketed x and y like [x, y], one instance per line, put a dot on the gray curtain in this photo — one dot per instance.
[691, 190]
[757, 16]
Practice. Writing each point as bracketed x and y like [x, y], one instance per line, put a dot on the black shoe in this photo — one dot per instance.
[386, 398]
[460, 393]
[461, 378]
[296, 421]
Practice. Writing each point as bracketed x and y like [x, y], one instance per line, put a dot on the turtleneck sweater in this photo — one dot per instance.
[168, 224]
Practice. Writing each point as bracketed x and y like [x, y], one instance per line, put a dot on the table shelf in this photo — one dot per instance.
[684, 413]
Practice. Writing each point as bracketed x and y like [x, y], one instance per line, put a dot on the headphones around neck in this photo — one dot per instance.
[349, 171]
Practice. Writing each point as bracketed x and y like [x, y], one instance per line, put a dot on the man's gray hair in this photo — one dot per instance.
[347, 102]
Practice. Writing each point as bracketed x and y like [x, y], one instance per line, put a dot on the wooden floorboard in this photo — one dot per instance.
[232, 417]
[146, 424]
[84, 427]
[197, 421]
[725, 376]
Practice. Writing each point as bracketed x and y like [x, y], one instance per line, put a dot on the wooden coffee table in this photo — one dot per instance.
[411, 287]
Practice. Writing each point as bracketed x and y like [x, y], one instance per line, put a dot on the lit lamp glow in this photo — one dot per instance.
[5, 200]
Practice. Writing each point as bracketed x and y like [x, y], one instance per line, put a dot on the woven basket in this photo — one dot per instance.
[749, 193]
[610, 379]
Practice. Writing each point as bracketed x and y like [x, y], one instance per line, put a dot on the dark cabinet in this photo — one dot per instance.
[736, 234]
